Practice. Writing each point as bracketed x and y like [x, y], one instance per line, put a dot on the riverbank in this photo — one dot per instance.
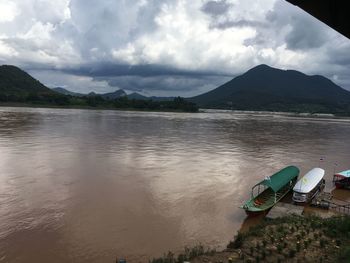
[286, 239]
[306, 115]
[84, 107]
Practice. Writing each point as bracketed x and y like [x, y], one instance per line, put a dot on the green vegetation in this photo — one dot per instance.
[296, 239]
[178, 104]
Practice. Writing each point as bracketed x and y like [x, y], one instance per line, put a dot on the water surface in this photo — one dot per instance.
[86, 186]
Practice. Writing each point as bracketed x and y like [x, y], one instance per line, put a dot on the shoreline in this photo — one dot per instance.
[23, 105]
[304, 115]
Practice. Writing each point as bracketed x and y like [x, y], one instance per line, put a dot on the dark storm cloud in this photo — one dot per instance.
[185, 85]
[216, 8]
[341, 55]
[306, 34]
[110, 70]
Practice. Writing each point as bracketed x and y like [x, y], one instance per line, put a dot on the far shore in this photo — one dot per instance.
[279, 113]
[77, 107]
[305, 115]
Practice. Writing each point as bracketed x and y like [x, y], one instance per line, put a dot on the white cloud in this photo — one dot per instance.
[8, 11]
[223, 37]
[6, 51]
[184, 39]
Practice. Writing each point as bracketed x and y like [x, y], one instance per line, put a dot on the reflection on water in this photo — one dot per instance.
[85, 186]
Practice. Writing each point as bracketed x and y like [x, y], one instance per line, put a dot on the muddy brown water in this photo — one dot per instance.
[87, 186]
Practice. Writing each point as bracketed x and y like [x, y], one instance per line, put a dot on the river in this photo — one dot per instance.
[87, 186]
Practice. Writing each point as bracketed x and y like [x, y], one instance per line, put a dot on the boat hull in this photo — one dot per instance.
[274, 188]
[257, 213]
[257, 209]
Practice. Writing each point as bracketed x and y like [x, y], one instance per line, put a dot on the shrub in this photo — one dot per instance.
[291, 253]
[279, 248]
[322, 243]
[338, 242]
[264, 243]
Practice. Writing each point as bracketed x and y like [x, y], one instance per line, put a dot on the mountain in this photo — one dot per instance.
[67, 92]
[17, 83]
[267, 88]
[113, 95]
[107, 96]
[137, 96]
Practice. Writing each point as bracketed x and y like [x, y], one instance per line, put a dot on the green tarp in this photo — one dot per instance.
[281, 178]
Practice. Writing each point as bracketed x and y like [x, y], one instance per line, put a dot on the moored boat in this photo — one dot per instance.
[308, 186]
[342, 179]
[271, 190]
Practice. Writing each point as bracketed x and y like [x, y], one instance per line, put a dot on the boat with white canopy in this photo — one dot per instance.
[309, 185]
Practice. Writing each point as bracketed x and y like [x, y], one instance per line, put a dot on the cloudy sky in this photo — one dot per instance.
[164, 47]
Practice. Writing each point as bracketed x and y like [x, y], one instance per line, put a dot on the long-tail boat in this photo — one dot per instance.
[272, 189]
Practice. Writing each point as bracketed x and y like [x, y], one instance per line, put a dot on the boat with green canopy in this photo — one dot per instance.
[272, 189]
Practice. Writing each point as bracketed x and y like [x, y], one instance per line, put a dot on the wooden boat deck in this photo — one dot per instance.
[267, 198]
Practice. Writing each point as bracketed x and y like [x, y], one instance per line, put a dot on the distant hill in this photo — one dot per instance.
[108, 96]
[15, 82]
[67, 92]
[114, 95]
[267, 88]
[137, 96]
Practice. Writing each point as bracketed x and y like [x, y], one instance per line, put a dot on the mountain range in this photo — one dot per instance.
[113, 95]
[260, 88]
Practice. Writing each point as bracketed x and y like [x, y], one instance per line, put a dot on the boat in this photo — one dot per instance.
[342, 179]
[271, 190]
[308, 186]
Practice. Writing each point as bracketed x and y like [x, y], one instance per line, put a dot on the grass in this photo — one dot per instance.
[297, 239]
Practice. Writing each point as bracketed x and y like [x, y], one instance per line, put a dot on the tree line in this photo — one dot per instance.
[53, 99]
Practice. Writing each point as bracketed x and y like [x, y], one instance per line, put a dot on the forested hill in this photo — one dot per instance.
[16, 82]
[267, 88]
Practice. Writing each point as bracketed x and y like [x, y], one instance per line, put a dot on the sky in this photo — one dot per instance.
[164, 47]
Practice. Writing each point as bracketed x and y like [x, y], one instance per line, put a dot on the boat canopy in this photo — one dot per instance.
[309, 181]
[344, 173]
[280, 179]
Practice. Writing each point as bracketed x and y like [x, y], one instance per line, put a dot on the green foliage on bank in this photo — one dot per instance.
[295, 239]
[53, 99]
